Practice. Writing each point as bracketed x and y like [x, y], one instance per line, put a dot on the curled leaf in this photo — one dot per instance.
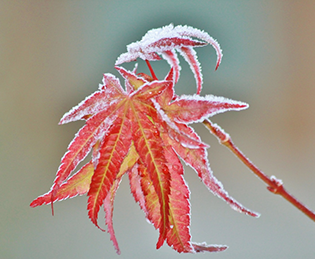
[163, 41]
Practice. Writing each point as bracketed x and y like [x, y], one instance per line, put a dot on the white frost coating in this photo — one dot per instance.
[164, 41]
[110, 79]
[95, 102]
[279, 182]
[214, 185]
[145, 85]
[166, 32]
[214, 100]
[164, 116]
[127, 74]
[172, 60]
[77, 113]
[189, 145]
[135, 68]
[193, 32]
[217, 127]
[126, 57]
[107, 79]
[145, 48]
[185, 140]
[96, 155]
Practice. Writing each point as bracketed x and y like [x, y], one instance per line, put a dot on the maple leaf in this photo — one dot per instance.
[138, 133]
[115, 121]
[143, 131]
[164, 41]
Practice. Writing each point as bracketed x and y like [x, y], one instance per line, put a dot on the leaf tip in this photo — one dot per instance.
[160, 242]
[94, 221]
[203, 247]
[34, 204]
[218, 64]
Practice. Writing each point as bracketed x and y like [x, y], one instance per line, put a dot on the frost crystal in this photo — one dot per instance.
[163, 41]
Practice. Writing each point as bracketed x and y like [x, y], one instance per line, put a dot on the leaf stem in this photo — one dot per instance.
[151, 70]
[274, 185]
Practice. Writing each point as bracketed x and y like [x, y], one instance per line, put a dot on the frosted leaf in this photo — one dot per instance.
[110, 92]
[197, 159]
[134, 81]
[196, 108]
[172, 59]
[89, 106]
[176, 134]
[108, 208]
[203, 247]
[193, 32]
[126, 57]
[163, 41]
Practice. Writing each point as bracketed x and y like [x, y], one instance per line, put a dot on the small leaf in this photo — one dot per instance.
[134, 80]
[110, 91]
[171, 57]
[149, 146]
[178, 235]
[189, 31]
[151, 90]
[129, 161]
[81, 145]
[78, 184]
[203, 247]
[112, 152]
[197, 159]
[136, 189]
[168, 94]
[109, 208]
[150, 196]
[188, 109]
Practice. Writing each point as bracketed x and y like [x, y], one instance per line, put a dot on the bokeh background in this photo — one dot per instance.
[53, 54]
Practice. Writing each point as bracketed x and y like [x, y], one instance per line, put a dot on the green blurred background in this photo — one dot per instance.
[53, 54]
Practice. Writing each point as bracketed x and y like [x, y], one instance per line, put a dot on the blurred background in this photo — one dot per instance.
[53, 54]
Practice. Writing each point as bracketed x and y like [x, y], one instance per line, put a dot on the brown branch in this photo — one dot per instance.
[274, 185]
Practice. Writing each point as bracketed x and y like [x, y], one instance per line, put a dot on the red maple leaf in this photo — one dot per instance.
[143, 131]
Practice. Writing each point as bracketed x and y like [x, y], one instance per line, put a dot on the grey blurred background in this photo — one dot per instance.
[53, 54]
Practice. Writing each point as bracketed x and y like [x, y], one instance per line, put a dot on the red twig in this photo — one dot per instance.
[274, 185]
[151, 70]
